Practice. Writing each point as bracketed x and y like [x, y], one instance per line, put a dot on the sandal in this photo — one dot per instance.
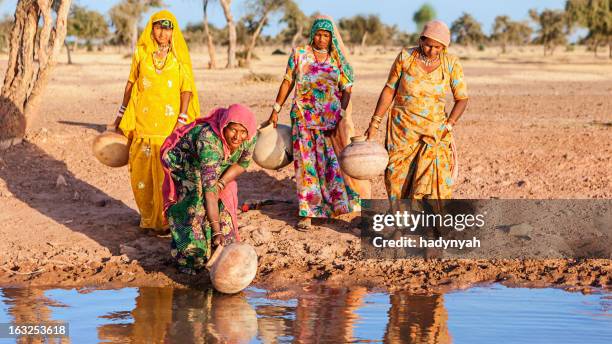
[304, 224]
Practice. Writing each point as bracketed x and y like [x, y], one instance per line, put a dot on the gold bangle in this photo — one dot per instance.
[377, 119]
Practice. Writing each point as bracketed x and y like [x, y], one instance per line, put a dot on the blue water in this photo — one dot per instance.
[492, 314]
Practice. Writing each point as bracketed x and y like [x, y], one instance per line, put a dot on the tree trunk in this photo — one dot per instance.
[134, 39]
[297, 35]
[254, 38]
[24, 79]
[212, 64]
[363, 41]
[231, 48]
[68, 52]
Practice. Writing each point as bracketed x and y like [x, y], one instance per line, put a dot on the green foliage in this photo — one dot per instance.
[595, 15]
[508, 32]
[353, 30]
[551, 31]
[467, 31]
[297, 23]
[86, 24]
[194, 33]
[6, 25]
[423, 15]
[126, 14]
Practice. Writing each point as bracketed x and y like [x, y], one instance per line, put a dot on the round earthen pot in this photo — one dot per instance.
[363, 159]
[274, 148]
[112, 149]
[232, 268]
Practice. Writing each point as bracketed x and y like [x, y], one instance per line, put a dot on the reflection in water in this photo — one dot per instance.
[29, 306]
[317, 315]
[165, 315]
[417, 319]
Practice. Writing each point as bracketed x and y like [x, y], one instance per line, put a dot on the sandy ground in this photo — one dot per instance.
[535, 128]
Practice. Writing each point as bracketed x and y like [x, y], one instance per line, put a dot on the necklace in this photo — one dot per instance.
[160, 62]
[426, 60]
[320, 51]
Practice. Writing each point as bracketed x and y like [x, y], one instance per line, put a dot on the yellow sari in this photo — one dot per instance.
[152, 113]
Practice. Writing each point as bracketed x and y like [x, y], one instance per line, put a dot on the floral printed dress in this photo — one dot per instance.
[420, 158]
[197, 162]
[322, 191]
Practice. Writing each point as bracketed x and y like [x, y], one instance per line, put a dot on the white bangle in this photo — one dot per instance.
[182, 121]
[277, 107]
[449, 127]
[184, 115]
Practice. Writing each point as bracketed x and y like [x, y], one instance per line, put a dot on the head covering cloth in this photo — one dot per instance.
[438, 31]
[338, 50]
[178, 47]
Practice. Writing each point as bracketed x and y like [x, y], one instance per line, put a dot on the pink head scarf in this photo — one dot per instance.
[438, 31]
[218, 119]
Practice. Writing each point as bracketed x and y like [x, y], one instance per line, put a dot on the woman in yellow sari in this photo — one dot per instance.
[419, 138]
[159, 97]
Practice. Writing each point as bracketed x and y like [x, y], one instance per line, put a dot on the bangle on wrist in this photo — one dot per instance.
[342, 113]
[221, 182]
[277, 107]
[182, 121]
[449, 126]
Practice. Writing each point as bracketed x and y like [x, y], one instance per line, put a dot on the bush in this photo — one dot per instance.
[259, 77]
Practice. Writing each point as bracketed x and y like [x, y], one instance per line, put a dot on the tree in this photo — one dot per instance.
[467, 31]
[507, 32]
[596, 16]
[260, 10]
[360, 29]
[423, 15]
[212, 64]
[551, 32]
[6, 24]
[39, 34]
[231, 28]
[125, 17]
[296, 22]
[85, 24]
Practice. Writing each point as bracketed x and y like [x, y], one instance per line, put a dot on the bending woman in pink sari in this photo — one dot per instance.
[201, 162]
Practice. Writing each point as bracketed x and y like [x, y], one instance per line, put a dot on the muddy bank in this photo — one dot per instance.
[69, 221]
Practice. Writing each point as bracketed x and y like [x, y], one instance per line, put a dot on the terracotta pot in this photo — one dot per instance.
[363, 159]
[232, 268]
[274, 148]
[112, 149]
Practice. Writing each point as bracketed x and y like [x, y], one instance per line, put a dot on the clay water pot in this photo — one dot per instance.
[112, 149]
[232, 268]
[274, 148]
[363, 159]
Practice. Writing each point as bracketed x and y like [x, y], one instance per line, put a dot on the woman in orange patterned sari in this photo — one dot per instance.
[419, 135]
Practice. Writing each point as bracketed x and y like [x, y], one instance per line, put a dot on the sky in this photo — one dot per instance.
[397, 12]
